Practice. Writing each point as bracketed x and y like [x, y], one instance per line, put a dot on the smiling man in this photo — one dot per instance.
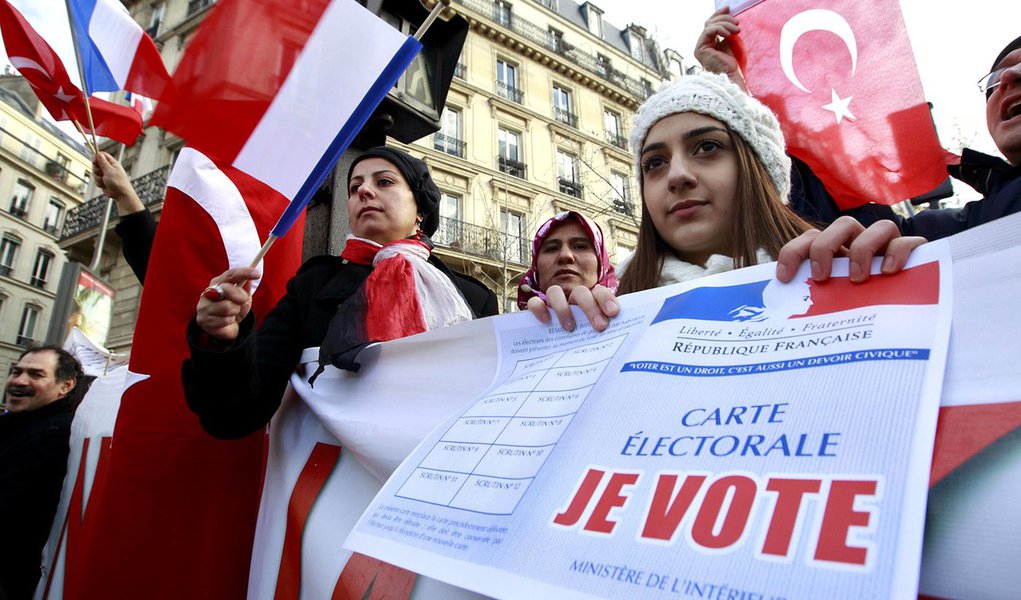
[34, 435]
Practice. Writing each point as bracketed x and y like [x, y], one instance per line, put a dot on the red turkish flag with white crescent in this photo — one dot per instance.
[42, 68]
[842, 79]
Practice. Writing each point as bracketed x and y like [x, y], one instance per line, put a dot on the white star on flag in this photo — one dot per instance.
[839, 106]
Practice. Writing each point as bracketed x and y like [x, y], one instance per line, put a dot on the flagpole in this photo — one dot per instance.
[81, 74]
[440, 5]
[85, 136]
[97, 255]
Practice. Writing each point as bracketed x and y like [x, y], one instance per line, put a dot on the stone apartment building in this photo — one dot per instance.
[43, 174]
[535, 122]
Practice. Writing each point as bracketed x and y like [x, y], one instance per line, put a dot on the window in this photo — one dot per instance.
[448, 138]
[41, 269]
[595, 21]
[156, 19]
[614, 134]
[621, 193]
[562, 107]
[30, 150]
[26, 331]
[59, 167]
[605, 65]
[637, 44]
[53, 211]
[449, 231]
[512, 225]
[21, 198]
[567, 174]
[502, 13]
[510, 153]
[556, 38]
[8, 253]
[507, 81]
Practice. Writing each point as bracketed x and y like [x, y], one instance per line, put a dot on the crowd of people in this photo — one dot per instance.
[716, 194]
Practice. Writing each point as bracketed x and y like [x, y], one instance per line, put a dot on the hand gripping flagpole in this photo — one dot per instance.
[81, 74]
[433, 14]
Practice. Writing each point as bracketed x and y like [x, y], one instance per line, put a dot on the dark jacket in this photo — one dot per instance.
[993, 177]
[33, 459]
[137, 231]
[235, 392]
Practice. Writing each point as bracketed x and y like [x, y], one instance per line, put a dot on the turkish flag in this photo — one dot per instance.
[42, 68]
[172, 513]
[841, 77]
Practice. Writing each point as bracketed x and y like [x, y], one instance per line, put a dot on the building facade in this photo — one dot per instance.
[43, 175]
[535, 122]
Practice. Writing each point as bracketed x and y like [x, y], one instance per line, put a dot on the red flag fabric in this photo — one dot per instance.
[841, 77]
[41, 67]
[174, 512]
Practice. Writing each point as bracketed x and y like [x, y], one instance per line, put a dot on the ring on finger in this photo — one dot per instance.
[214, 292]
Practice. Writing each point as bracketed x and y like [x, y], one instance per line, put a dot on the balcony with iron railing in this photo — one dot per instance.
[450, 145]
[6, 270]
[25, 342]
[149, 187]
[460, 70]
[544, 38]
[53, 167]
[570, 187]
[18, 211]
[617, 140]
[513, 167]
[482, 241]
[38, 282]
[624, 207]
[565, 116]
[195, 6]
[505, 90]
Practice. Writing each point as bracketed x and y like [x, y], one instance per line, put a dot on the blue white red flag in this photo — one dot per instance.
[116, 54]
[279, 89]
[140, 104]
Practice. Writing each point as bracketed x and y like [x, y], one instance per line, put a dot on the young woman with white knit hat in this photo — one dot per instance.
[714, 179]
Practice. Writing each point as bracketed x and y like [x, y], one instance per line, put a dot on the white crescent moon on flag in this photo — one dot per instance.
[21, 63]
[817, 19]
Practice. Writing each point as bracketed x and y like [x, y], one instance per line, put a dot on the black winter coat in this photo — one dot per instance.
[236, 391]
[33, 459]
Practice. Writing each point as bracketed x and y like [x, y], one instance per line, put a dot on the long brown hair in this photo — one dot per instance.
[761, 220]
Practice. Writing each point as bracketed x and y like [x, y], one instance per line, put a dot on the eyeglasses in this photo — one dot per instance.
[987, 84]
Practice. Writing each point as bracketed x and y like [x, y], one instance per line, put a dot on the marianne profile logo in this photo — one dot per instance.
[771, 300]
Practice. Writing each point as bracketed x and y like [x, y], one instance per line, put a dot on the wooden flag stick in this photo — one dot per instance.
[85, 136]
[440, 5]
[81, 74]
[262, 251]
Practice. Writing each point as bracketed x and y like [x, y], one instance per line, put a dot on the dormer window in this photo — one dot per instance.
[594, 17]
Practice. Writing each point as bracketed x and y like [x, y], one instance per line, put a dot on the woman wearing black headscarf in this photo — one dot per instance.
[236, 377]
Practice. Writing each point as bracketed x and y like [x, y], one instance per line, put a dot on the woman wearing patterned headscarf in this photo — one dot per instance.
[568, 250]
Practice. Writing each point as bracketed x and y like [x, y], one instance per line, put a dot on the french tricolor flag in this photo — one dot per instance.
[140, 104]
[116, 54]
[279, 89]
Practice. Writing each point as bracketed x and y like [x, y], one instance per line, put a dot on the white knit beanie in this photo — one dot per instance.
[716, 96]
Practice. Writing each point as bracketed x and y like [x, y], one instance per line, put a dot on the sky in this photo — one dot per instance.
[954, 41]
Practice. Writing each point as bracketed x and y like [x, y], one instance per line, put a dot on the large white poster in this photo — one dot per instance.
[731, 438]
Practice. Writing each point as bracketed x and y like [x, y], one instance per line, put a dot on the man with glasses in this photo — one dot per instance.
[34, 433]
